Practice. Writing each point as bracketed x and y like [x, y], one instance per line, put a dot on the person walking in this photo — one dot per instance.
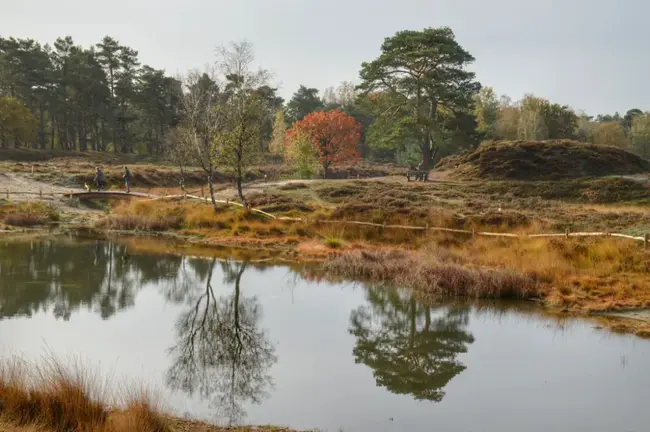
[99, 179]
[127, 179]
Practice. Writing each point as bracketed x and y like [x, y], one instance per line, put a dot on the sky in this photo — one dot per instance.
[589, 54]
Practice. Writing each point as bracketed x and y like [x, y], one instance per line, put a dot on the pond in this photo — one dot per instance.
[250, 343]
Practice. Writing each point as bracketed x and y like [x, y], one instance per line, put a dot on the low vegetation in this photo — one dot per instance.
[577, 274]
[27, 214]
[432, 277]
[49, 396]
[543, 160]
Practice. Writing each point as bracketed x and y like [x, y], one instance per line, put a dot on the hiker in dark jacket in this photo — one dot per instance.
[99, 179]
[127, 179]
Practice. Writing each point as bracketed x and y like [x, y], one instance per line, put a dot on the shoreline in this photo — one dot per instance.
[631, 320]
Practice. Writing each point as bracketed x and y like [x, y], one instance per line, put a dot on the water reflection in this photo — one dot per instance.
[221, 354]
[411, 348]
[198, 326]
[50, 275]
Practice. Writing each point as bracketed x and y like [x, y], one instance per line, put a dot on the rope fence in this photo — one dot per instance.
[567, 234]
[645, 239]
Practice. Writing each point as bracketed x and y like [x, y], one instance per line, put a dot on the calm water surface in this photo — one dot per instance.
[243, 343]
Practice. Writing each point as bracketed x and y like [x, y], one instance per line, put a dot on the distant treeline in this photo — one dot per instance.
[68, 97]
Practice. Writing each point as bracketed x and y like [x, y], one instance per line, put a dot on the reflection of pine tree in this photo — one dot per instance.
[409, 351]
[221, 355]
[44, 276]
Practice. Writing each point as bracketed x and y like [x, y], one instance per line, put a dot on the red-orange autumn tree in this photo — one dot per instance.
[334, 136]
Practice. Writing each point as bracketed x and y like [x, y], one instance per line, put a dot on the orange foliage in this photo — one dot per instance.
[334, 135]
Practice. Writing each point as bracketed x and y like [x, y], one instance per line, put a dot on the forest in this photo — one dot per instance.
[416, 102]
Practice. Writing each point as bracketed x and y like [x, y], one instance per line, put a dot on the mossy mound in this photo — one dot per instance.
[542, 160]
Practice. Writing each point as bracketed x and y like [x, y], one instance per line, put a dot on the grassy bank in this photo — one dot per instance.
[432, 277]
[580, 274]
[48, 396]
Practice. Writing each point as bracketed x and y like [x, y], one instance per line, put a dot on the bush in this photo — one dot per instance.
[28, 213]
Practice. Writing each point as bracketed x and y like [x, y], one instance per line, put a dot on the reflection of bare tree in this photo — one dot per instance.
[220, 354]
[409, 350]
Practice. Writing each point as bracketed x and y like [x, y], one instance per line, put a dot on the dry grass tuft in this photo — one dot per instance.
[146, 216]
[432, 276]
[333, 243]
[49, 396]
[28, 213]
[578, 274]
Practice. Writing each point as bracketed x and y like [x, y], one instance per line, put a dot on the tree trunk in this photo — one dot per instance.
[63, 134]
[211, 187]
[240, 192]
[63, 142]
[95, 135]
[52, 132]
[83, 139]
[123, 145]
[425, 148]
[102, 138]
[114, 139]
[41, 132]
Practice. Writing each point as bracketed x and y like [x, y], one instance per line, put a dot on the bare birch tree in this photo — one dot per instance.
[237, 143]
[202, 121]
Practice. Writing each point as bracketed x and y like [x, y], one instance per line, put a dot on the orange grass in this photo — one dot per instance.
[49, 396]
[28, 213]
[580, 274]
[46, 396]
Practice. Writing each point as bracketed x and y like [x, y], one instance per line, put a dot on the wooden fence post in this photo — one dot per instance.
[202, 193]
[646, 237]
[473, 233]
[566, 233]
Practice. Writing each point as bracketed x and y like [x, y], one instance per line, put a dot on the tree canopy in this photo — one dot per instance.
[423, 77]
[334, 136]
[303, 102]
[93, 98]
[416, 102]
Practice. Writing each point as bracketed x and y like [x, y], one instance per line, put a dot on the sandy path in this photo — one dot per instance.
[22, 188]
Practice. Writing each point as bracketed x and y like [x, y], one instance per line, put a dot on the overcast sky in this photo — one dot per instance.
[590, 54]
